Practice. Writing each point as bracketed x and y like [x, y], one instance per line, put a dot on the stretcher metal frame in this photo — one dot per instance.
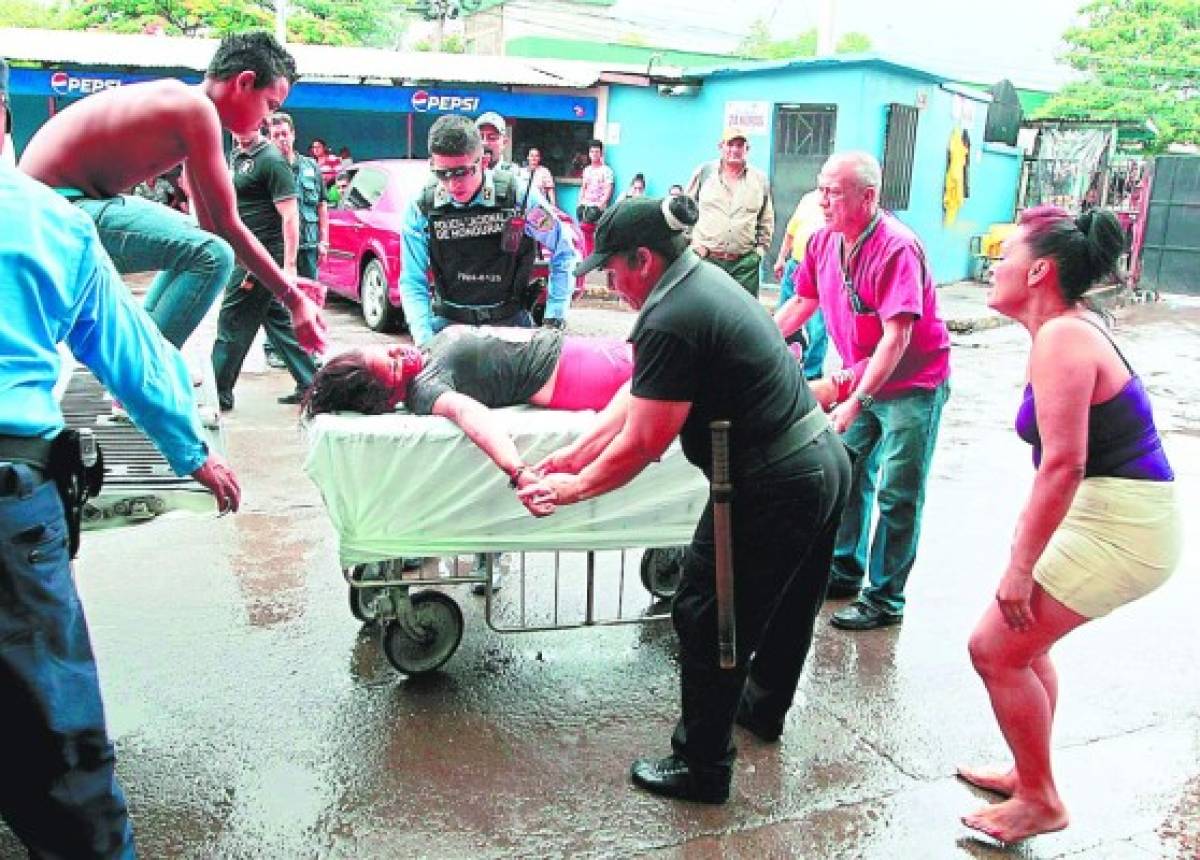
[399, 485]
[390, 603]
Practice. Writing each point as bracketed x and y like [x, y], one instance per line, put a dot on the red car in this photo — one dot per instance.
[363, 263]
[364, 257]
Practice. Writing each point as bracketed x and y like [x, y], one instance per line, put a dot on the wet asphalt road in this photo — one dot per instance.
[255, 718]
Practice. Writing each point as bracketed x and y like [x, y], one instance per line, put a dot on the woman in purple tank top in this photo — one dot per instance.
[1101, 526]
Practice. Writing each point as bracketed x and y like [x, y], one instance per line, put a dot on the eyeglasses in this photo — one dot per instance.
[445, 174]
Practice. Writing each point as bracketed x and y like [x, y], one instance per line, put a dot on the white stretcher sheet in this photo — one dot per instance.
[406, 485]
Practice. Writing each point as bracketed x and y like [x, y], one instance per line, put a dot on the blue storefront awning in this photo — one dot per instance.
[377, 98]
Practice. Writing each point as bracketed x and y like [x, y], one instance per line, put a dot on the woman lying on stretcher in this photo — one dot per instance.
[463, 371]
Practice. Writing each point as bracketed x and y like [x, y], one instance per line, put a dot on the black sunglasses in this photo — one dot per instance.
[447, 173]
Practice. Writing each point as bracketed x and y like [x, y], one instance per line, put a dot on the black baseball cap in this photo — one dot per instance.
[639, 222]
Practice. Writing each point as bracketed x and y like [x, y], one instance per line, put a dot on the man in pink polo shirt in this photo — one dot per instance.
[868, 274]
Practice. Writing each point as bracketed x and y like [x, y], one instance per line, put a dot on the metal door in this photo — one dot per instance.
[1171, 249]
[803, 140]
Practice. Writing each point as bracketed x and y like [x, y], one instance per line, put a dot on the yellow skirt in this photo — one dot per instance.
[1120, 540]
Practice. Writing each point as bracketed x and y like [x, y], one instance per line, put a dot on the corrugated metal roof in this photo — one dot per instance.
[806, 63]
[314, 62]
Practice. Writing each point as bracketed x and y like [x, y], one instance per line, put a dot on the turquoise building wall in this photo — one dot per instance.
[665, 137]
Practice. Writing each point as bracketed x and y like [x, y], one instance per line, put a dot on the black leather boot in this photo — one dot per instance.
[674, 777]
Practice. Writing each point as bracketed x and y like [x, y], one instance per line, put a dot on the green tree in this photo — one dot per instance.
[853, 43]
[1141, 61]
[759, 44]
[30, 13]
[451, 44]
[374, 23]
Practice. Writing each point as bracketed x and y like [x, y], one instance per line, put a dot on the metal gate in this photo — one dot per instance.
[1171, 248]
[138, 483]
[803, 140]
[899, 150]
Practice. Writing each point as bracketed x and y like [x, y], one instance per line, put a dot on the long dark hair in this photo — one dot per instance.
[346, 384]
[1085, 249]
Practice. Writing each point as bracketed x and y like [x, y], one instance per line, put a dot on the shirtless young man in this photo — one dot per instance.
[110, 141]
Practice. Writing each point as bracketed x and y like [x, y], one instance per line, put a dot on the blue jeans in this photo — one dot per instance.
[58, 789]
[814, 329]
[192, 264]
[893, 443]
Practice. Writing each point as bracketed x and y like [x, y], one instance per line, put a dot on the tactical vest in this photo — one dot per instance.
[474, 280]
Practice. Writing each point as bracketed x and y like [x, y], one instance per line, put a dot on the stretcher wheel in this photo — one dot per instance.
[424, 639]
[662, 568]
[362, 600]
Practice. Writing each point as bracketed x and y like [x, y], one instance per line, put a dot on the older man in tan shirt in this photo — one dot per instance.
[736, 215]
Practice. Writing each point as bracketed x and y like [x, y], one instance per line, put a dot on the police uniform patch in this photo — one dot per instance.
[538, 218]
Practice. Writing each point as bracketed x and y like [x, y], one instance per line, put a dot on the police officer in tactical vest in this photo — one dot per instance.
[470, 240]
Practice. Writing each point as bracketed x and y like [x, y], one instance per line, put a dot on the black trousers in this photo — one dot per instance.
[785, 522]
[242, 313]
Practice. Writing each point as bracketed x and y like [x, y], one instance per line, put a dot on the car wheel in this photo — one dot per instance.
[377, 311]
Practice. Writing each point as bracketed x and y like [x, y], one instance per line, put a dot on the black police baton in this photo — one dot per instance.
[722, 496]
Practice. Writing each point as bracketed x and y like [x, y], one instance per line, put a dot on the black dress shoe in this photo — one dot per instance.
[863, 616]
[766, 729]
[840, 590]
[290, 399]
[674, 777]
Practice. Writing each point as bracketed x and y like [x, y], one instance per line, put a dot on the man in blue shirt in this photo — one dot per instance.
[58, 790]
[475, 232]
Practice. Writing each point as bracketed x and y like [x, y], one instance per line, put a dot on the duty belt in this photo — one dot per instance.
[31, 450]
[803, 431]
[475, 315]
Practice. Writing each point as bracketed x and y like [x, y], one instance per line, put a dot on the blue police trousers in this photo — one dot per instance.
[58, 789]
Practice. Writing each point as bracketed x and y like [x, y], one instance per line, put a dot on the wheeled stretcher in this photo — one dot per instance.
[403, 486]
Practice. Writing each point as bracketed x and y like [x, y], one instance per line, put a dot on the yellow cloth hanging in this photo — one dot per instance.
[956, 178]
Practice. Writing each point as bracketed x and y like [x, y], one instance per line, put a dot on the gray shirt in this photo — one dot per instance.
[484, 364]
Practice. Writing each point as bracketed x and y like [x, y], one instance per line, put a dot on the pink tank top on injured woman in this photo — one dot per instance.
[590, 371]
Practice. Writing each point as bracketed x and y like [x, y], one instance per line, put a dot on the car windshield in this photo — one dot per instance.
[366, 188]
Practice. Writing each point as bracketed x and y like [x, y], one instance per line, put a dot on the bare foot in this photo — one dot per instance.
[1016, 819]
[1002, 782]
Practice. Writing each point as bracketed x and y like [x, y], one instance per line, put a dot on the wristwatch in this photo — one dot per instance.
[865, 399]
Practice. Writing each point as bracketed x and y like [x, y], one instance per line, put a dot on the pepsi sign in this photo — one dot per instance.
[423, 102]
[65, 84]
